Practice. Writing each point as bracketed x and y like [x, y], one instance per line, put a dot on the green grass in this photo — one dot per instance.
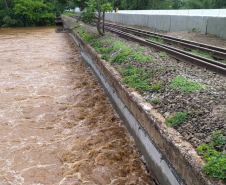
[140, 47]
[159, 40]
[140, 58]
[157, 87]
[119, 58]
[136, 78]
[87, 37]
[155, 100]
[138, 82]
[197, 52]
[81, 32]
[76, 26]
[177, 118]
[105, 57]
[215, 159]
[185, 85]
[163, 54]
[96, 44]
[69, 13]
[106, 40]
[223, 61]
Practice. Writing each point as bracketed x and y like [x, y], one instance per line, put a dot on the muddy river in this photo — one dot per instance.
[57, 126]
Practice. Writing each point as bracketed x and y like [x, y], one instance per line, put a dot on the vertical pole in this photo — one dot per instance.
[6, 4]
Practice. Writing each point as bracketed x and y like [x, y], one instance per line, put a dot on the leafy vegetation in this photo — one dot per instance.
[159, 40]
[140, 58]
[35, 12]
[163, 54]
[119, 58]
[155, 100]
[136, 78]
[76, 26]
[197, 52]
[166, 4]
[156, 87]
[185, 85]
[215, 159]
[105, 57]
[177, 118]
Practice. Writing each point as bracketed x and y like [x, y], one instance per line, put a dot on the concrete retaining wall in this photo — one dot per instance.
[204, 24]
[199, 12]
[165, 152]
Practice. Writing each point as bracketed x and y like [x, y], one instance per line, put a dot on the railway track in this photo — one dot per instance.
[179, 54]
[214, 51]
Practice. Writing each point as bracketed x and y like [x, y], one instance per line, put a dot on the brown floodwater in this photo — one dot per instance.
[57, 126]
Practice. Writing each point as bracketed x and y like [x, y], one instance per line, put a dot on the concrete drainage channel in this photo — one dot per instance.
[157, 162]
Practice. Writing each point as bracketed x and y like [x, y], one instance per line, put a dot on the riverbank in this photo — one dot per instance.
[166, 100]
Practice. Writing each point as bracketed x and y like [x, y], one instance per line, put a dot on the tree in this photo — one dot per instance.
[35, 12]
[89, 14]
[6, 4]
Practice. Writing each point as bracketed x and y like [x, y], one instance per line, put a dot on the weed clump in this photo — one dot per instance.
[81, 32]
[185, 85]
[138, 57]
[105, 57]
[136, 78]
[156, 87]
[197, 52]
[76, 26]
[177, 118]
[155, 100]
[215, 159]
[163, 54]
[119, 58]
[158, 40]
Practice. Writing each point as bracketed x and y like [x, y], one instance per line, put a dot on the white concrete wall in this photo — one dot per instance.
[212, 24]
[198, 12]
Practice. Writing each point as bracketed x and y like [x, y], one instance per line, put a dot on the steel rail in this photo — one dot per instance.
[193, 59]
[212, 50]
[212, 65]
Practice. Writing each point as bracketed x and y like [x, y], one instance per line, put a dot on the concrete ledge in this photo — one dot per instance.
[173, 154]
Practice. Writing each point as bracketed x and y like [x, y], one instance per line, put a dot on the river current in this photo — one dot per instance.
[57, 127]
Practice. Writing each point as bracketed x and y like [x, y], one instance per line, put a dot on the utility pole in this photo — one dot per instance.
[6, 4]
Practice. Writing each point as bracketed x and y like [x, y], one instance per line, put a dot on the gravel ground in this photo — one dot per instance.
[208, 106]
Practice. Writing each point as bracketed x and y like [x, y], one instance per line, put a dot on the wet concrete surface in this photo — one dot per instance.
[56, 124]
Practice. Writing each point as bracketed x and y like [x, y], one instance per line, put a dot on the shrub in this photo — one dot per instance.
[8, 22]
